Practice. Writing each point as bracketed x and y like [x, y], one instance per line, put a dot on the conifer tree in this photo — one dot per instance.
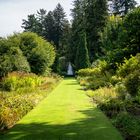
[82, 57]
[95, 19]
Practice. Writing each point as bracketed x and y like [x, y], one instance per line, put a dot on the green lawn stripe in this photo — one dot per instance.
[66, 114]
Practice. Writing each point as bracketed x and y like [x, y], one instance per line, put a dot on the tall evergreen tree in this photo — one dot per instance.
[89, 16]
[41, 15]
[49, 25]
[31, 24]
[82, 57]
[95, 17]
[59, 19]
[77, 27]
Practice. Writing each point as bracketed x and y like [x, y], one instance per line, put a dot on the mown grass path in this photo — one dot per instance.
[66, 114]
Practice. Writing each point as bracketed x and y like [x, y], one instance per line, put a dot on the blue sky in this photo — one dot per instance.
[13, 11]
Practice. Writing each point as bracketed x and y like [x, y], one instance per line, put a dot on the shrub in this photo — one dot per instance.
[13, 108]
[99, 80]
[88, 72]
[102, 65]
[19, 51]
[132, 106]
[112, 107]
[19, 80]
[129, 66]
[11, 58]
[14, 105]
[93, 78]
[96, 77]
[128, 125]
[115, 79]
[132, 83]
[40, 53]
[121, 89]
[103, 95]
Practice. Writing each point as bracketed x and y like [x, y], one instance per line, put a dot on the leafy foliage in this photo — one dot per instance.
[11, 57]
[103, 95]
[95, 77]
[132, 83]
[25, 91]
[129, 66]
[129, 124]
[16, 81]
[52, 26]
[26, 52]
[119, 39]
[40, 54]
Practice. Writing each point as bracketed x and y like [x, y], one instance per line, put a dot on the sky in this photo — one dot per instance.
[13, 11]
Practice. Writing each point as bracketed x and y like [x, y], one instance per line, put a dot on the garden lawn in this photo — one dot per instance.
[66, 114]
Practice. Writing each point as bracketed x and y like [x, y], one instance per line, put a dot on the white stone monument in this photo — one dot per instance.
[70, 70]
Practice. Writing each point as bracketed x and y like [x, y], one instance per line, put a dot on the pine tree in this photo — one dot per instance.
[41, 15]
[82, 57]
[31, 24]
[95, 17]
[59, 19]
[49, 25]
[77, 27]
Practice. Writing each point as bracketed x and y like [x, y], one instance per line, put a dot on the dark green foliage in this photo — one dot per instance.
[95, 19]
[112, 107]
[88, 16]
[11, 57]
[110, 34]
[129, 125]
[77, 27]
[130, 37]
[59, 20]
[40, 54]
[132, 83]
[110, 41]
[120, 39]
[21, 52]
[31, 24]
[82, 57]
[62, 66]
[54, 27]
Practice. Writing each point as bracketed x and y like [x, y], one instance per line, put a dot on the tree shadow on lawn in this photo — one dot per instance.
[94, 127]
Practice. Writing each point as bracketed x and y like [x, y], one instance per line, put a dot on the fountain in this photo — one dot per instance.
[70, 70]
